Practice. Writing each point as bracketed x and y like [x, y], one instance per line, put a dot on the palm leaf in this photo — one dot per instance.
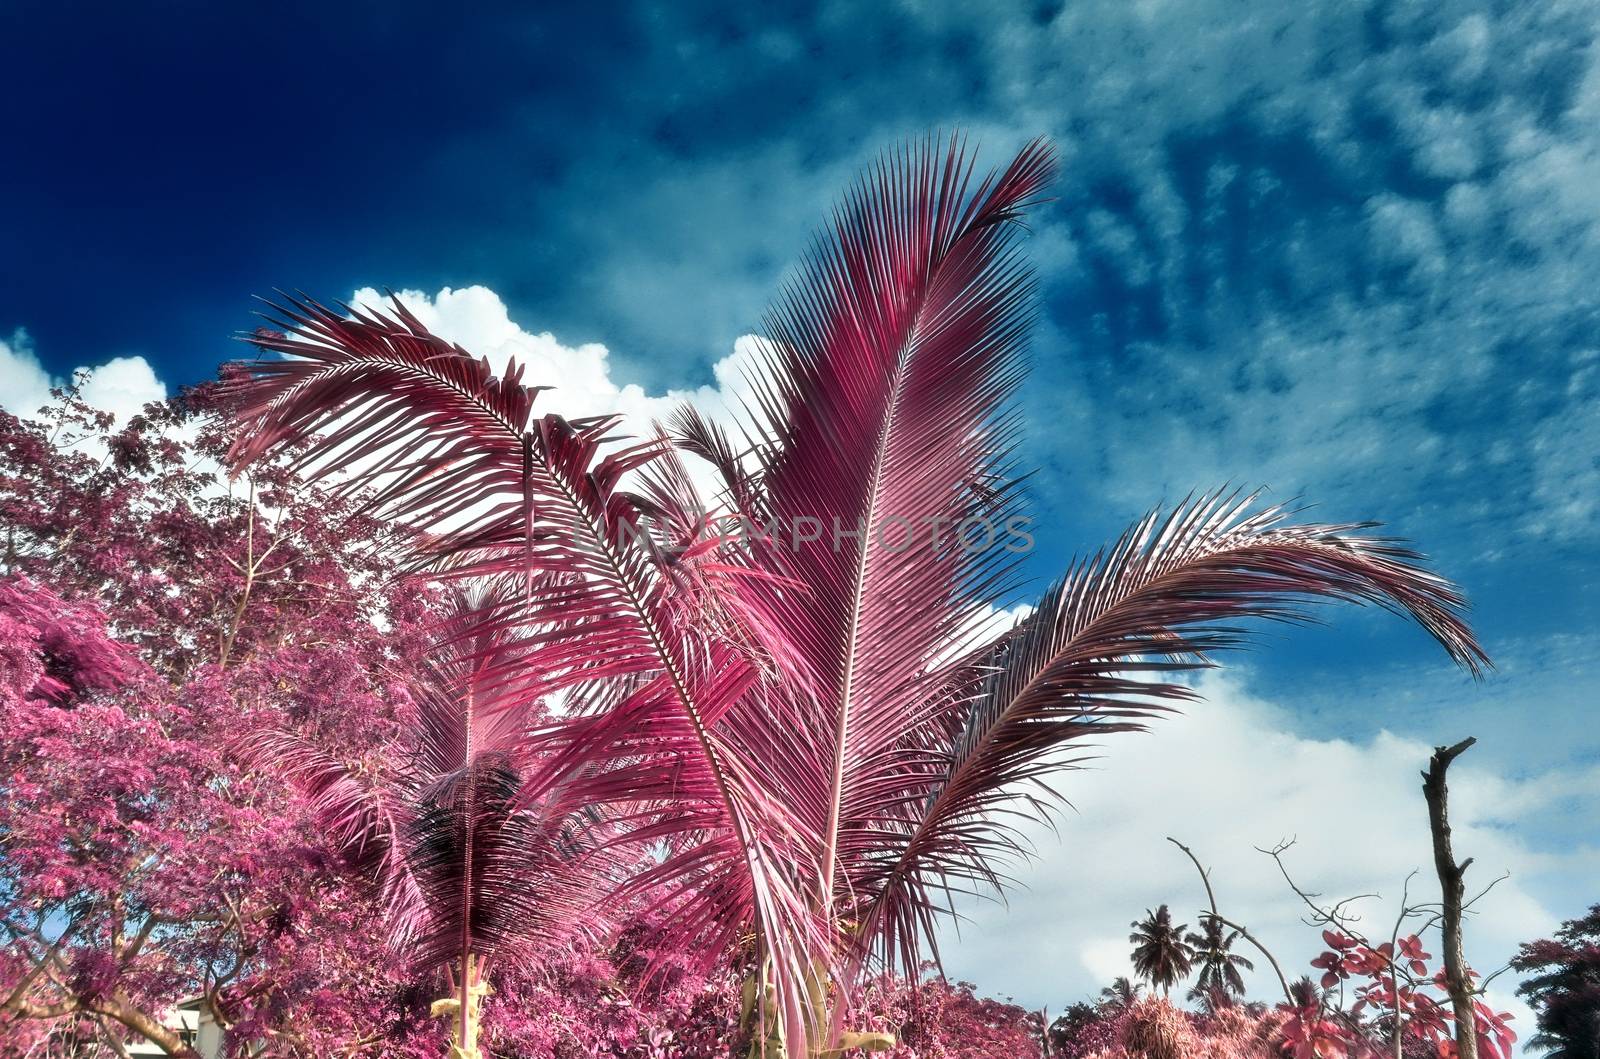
[1097, 656]
[888, 372]
[360, 815]
[445, 447]
[489, 871]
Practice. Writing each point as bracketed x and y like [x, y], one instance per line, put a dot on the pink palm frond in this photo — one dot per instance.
[798, 723]
[448, 449]
[889, 368]
[363, 817]
[1096, 658]
[463, 854]
[694, 433]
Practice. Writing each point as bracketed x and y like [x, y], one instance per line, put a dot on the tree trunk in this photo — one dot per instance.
[469, 983]
[760, 1017]
[471, 998]
[118, 1008]
[1452, 883]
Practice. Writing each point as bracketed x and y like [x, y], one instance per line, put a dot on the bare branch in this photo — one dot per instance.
[1451, 881]
[1211, 897]
[1332, 916]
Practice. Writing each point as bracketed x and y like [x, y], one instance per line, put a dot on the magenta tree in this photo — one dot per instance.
[151, 621]
[1563, 987]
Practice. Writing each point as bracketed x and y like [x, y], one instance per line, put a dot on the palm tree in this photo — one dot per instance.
[1121, 994]
[1304, 993]
[1219, 978]
[464, 857]
[1160, 954]
[802, 717]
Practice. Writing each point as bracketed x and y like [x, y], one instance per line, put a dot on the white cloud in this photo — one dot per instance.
[121, 386]
[580, 377]
[26, 385]
[1566, 484]
[1404, 233]
[1335, 232]
[1230, 775]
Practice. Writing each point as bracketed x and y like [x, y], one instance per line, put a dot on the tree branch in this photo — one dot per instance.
[1211, 897]
[119, 1007]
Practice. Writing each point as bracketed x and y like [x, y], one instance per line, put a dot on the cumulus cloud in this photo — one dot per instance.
[121, 385]
[1232, 774]
[580, 377]
[27, 384]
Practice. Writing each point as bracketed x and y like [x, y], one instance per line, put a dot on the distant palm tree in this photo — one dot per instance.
[1211, 1000]
[1219, 980]
[1120, 994]
[1160, 954]
[1304, 992]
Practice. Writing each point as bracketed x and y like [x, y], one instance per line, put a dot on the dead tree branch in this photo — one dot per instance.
[1211, 898]
[1452, 882]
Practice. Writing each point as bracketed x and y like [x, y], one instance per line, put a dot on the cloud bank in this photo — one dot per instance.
[1230, 775]
[121, 385]
[579, 377]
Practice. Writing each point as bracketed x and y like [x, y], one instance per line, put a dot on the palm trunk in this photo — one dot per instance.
[468, 981]
[466, 1046]
[828, 1037]
[759, 1014]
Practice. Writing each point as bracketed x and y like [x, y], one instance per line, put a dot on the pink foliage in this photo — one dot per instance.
[1155, 1029]
[142, 866]
[936, 1019]
[1394, 980]
[146, 864]
[51, 649]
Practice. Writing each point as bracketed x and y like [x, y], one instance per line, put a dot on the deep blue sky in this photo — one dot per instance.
[1346, 250]
[1343, 253]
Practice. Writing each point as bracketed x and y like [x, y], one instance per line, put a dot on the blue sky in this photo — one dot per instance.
[1343, 250]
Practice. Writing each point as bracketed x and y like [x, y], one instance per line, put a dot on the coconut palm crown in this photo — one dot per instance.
[1217, 965]
[468, 859]
[807, 722]
[1161, 954]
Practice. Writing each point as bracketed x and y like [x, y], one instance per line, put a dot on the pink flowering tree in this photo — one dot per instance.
[150, 621]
